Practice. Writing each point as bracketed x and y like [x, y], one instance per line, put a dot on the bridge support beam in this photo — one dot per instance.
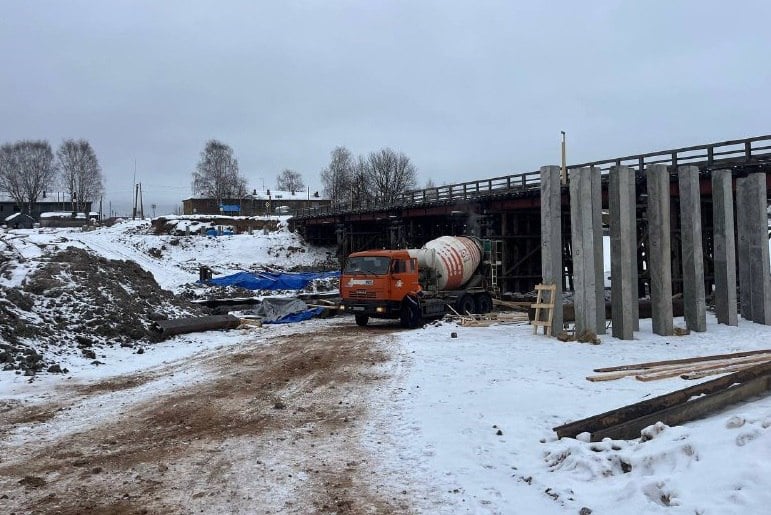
[694, 302]
[551, 238]
[752, 221]
[623, 252]
[586, 229]
[660, 249]
[724, 251]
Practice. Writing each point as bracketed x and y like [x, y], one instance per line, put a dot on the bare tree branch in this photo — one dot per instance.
[337, 178]
[217, 175]
[81, 175]
[290, 180]
[27, 169]
[390, 174]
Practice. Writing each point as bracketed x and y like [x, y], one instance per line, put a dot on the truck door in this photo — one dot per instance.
[404, 277]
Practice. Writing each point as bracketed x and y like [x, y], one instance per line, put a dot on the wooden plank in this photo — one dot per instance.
[656, 374]
[643, 408]
[677, 367]
[685, 412]
[724, 370]
[650, 364]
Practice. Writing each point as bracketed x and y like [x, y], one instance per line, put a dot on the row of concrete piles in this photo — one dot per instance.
[587, 246]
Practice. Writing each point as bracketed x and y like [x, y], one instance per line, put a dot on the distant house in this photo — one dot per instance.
[66, 219]
[258, 203]
[8, 207]
[19, 221]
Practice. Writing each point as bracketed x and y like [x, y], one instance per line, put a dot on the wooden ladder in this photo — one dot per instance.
[541, 305]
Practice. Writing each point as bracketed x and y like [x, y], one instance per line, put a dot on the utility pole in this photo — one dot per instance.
[134, 188]
[564, 170]
[136, 200]
[141, 203]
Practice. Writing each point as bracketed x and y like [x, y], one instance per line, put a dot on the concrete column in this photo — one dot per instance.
[551, 237]
[635, 262]
[586, 229]
[724, 251]
[743, 249]
[659, 248]
[694, 301]
[753, 242]
[599, 264]
[623, 251]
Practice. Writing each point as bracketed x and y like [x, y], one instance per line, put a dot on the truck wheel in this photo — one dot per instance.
[484, 303]
[410, 314]
[362, 320]
[465, 304]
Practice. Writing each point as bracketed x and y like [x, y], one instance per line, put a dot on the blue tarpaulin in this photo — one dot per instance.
[270, 280]
[296, 317]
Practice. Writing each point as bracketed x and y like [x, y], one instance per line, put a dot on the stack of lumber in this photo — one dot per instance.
[493, 319]
[687, 368]
[674, 408]
[488, 319]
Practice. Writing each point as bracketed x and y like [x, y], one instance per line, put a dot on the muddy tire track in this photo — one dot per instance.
[275, 427]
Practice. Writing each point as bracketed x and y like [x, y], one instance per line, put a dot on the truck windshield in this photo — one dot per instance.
[375, 265]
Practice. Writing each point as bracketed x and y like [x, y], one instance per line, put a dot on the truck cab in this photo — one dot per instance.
[381, 284]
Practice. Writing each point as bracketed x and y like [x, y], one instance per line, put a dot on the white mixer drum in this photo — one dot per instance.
[454, 258]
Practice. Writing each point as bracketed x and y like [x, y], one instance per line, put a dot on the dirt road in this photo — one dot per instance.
[266, 427]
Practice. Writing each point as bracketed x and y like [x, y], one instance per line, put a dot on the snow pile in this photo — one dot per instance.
[75, 302]
[65, 291]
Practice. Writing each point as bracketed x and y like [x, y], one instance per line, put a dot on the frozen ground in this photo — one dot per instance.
[447, 425]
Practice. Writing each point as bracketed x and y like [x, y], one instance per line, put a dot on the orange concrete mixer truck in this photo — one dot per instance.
[417, 284]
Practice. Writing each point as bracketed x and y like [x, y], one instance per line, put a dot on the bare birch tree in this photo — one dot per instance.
[26, 171]
[361, 191]
[337, 177]
[81, 175]
[10, 174]
[390, 174]
[290, 180]
[217, 175]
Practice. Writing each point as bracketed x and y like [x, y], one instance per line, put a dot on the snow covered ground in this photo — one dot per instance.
[470, 418]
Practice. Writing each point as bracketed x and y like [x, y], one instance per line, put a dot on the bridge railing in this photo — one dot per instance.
[712, 155]
[724, 153]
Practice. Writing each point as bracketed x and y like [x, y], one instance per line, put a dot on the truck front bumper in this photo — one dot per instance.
[385, 309]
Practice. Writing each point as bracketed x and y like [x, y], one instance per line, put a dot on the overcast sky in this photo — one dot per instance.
[468, 90]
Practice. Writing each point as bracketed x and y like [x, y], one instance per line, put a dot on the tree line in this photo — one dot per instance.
[29, 168]
[382, 175]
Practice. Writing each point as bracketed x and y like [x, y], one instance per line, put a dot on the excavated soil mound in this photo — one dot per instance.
[77, 303]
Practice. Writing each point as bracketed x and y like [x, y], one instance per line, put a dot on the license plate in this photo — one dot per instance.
[358, 308]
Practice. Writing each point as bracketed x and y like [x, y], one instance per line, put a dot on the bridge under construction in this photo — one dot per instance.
[509, 209]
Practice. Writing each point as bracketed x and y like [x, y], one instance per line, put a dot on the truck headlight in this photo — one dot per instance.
[380, 309]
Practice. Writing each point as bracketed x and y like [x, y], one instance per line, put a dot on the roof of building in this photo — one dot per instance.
[18, 215]
[269, 194]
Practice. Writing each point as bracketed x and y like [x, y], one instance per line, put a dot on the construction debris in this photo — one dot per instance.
[673, 408]
[687, 368]
[488, 319]
[169, 328]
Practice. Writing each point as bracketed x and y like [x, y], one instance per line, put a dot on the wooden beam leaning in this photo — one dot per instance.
[688, 411]
[672, 408]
